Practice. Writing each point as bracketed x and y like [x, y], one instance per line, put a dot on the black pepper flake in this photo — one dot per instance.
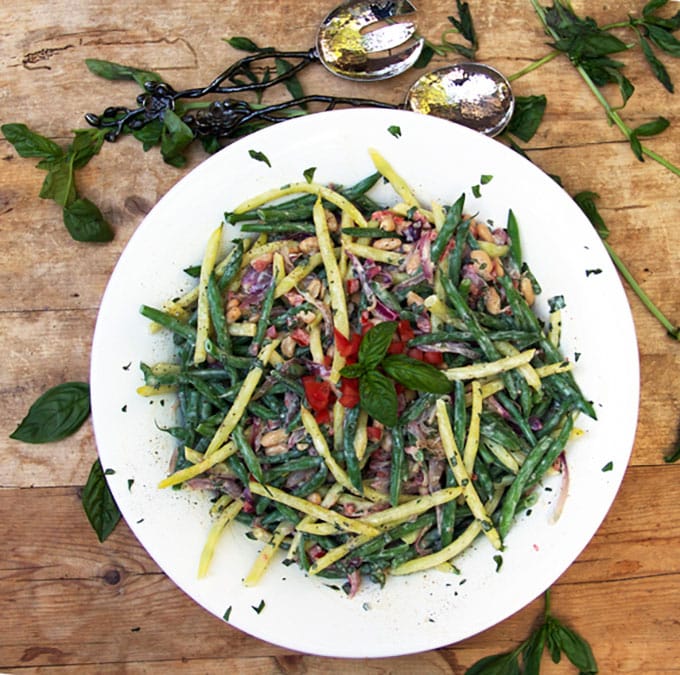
[259, 607]
[124, 408]
[136, 629]
[594, 271]
[109, 472]
[128, 366]
[131, 482]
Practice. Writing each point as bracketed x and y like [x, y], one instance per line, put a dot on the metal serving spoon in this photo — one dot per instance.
[472, 94]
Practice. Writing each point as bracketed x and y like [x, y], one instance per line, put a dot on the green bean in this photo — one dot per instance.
[370, 232]
[282, 227]
[397, 466]
[459, 413]
[292, 385]
[353, 192]
[263, 321]
[445, 234]
[247, 454]
[233, 264]
[298, 464]
[448, 511]
[416, 408]
[348, 435]
[313, 483]
[514, 492]
[555, 450]
[516, 416]
[168, 321]
[482, 480]
[515, 243]
[467, 315]
[282, 320]
[456, 256]
[218, 315]
[496, 429]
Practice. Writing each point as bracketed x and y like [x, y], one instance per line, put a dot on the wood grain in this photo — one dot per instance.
[71, 605]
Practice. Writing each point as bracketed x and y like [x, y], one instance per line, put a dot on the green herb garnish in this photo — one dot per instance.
[56, 414]
[378, 371]
[553, 634]
[98, 502]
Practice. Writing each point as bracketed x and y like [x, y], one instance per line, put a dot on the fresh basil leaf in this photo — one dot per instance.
[211, 144]
[29, 144]
[243, 44]
[85, 222]
[309, 174]
[527, 116]
[464, 24]
[98, 502]
[586, 201]
[533, 651]
[636, 146]
[86, 144]
[497, 664]
[657, 126]
[375, 343]
[353, 370]
[116, 71]
[416, 374]
[425, 57]
[175, 137]
[574, 647]
[56, 414]
[395, 130]
[150, 134]
[260, 157]
[292, 83]
[59, 184]
[657, 67]
[378, 397]
[663, 39]
[652, 6]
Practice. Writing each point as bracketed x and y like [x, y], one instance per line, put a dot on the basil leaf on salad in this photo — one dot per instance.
[375, 344]
[378, 397]
[416, 374]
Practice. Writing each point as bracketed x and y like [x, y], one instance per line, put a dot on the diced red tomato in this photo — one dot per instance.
[301, 336]
[347, 346]
[396, 347]
[350, 392]
[434, 358]
[352, 286]
[415, 353]
[404, 330]
[373, 433]
[322, 416]
[318, 393]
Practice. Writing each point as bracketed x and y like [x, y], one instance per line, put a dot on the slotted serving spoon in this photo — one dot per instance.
[471, 94]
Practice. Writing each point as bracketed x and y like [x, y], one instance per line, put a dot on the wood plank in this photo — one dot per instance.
[116, 585]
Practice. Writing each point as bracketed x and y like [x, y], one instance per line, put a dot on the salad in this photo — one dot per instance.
[365, 386]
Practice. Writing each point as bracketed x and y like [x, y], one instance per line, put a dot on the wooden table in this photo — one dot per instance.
[70, 604]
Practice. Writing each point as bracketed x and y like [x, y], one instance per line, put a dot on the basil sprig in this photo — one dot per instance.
[553, 634]
[57, 413]
[83, 220]
[377, 372]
